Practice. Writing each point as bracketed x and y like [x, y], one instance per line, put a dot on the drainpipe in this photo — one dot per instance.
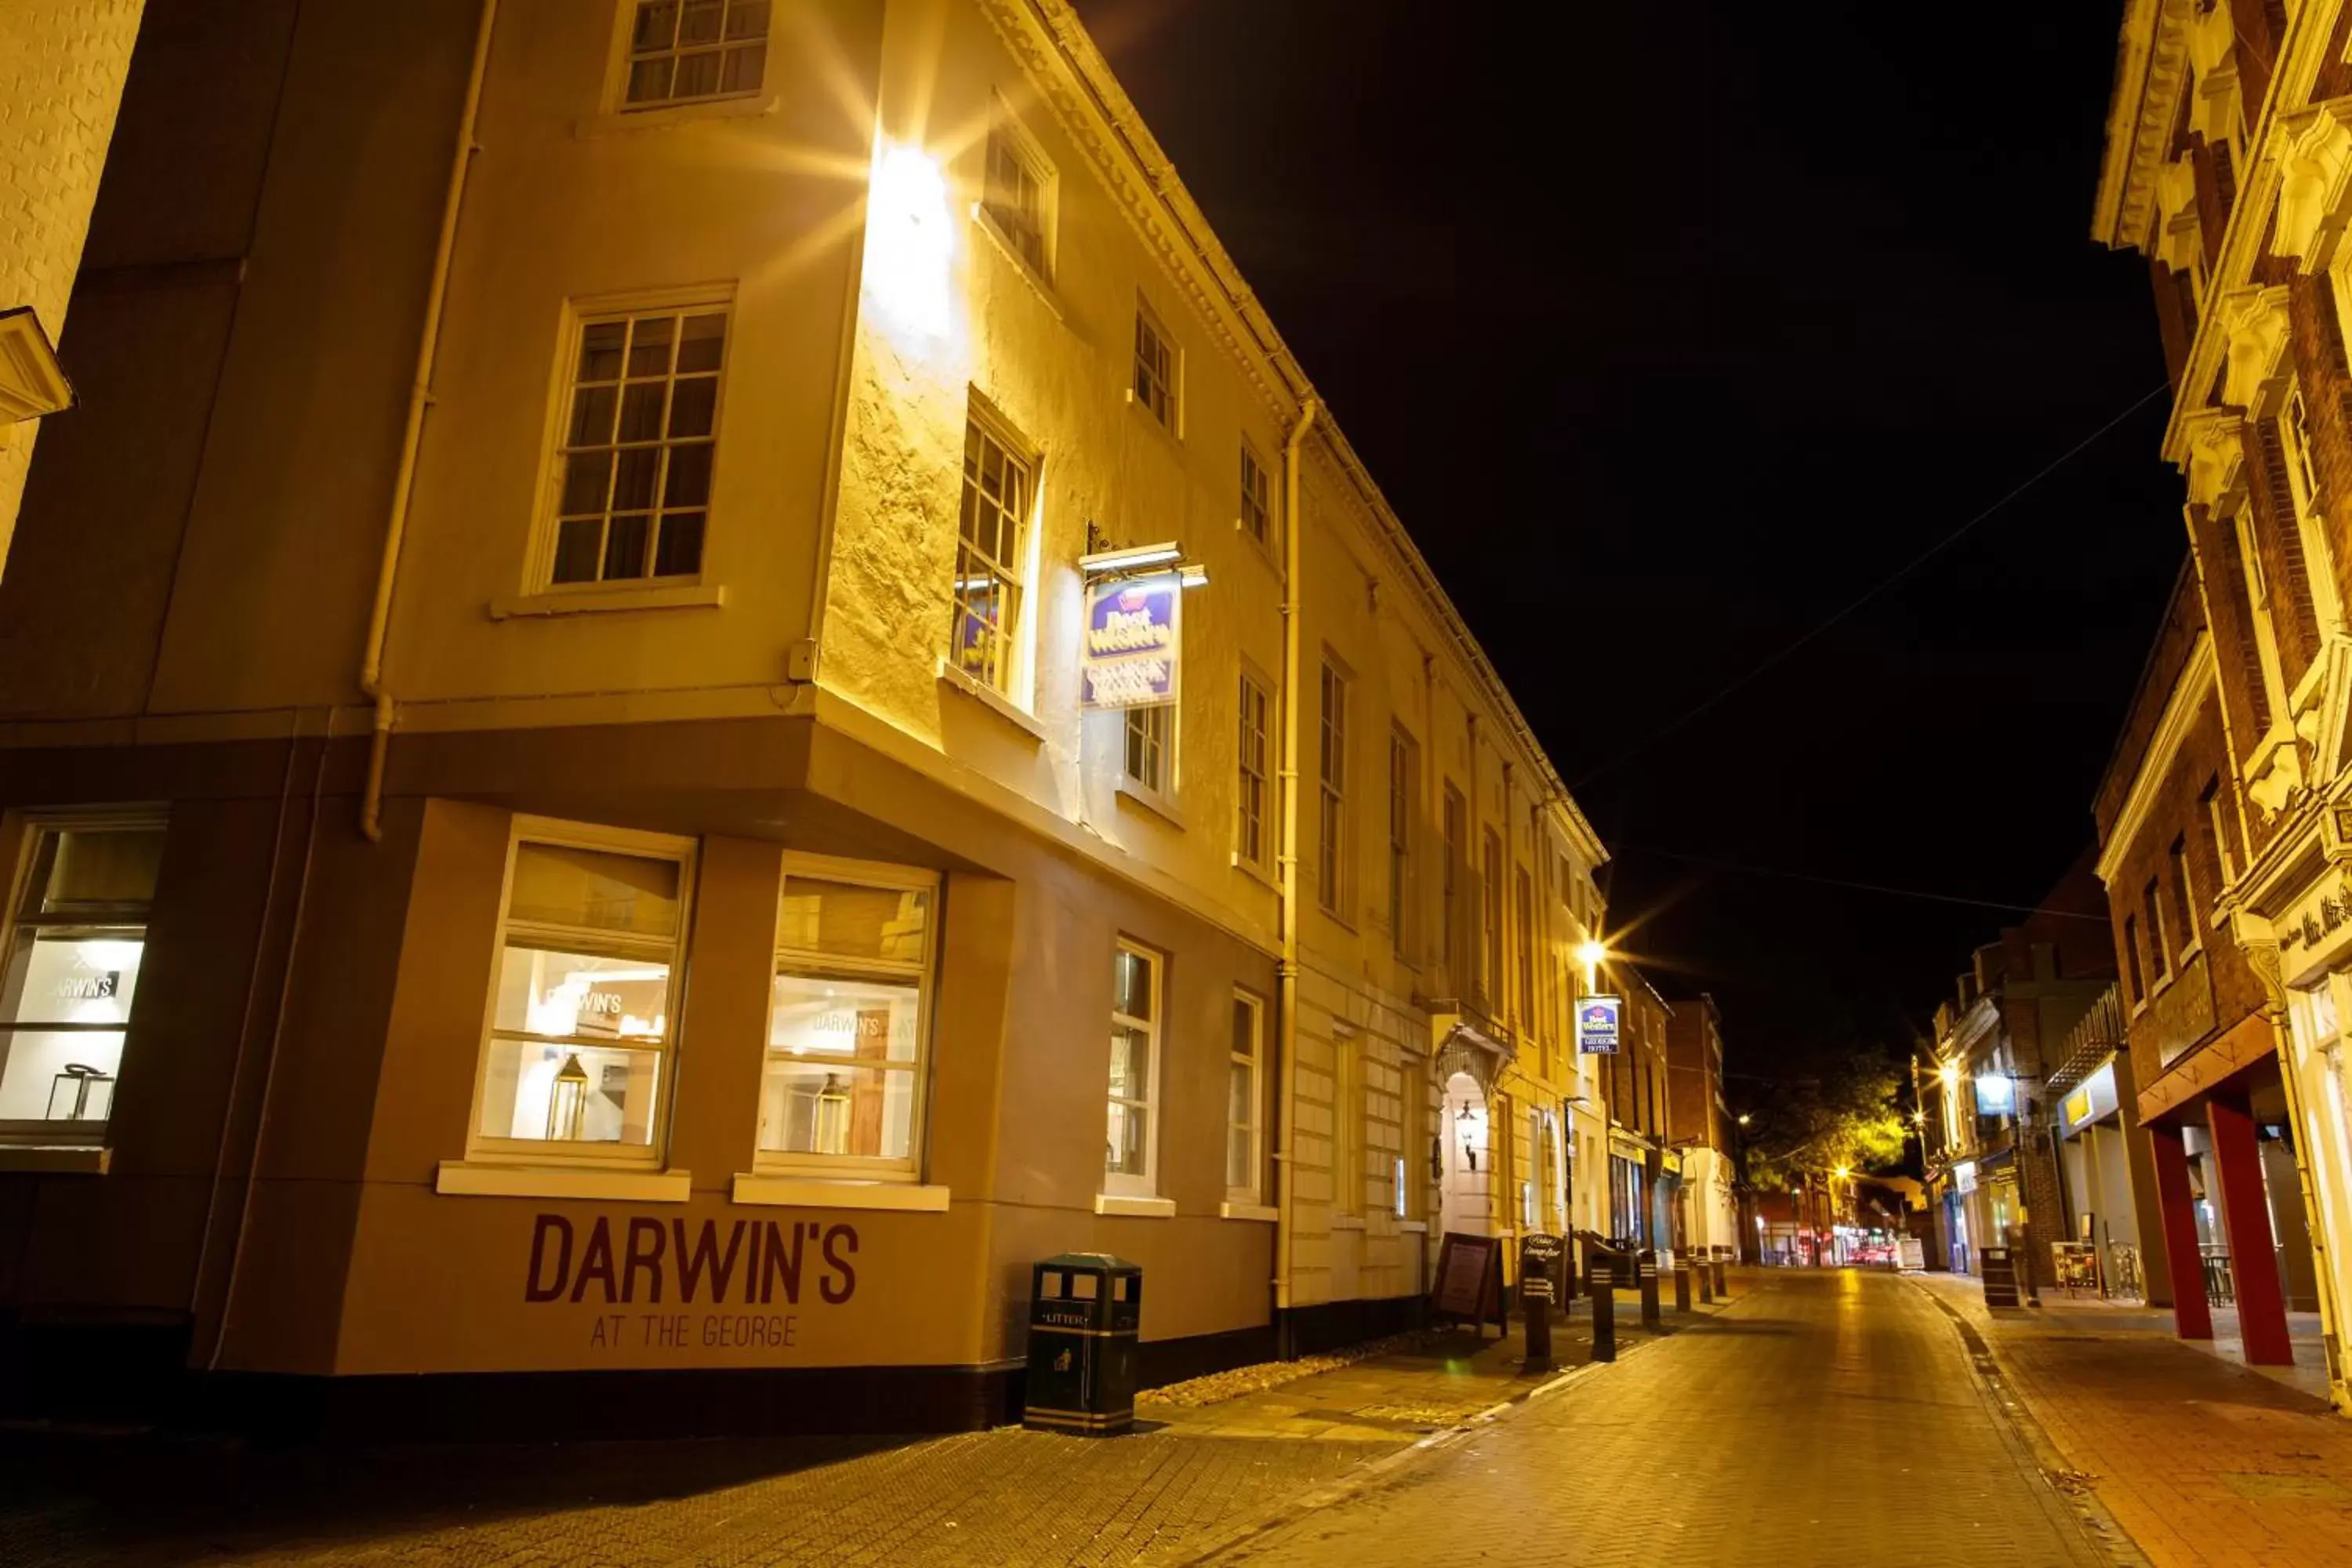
[1286, 970]
[420, 398]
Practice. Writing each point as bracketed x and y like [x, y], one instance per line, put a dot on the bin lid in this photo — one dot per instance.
[1091, 1263]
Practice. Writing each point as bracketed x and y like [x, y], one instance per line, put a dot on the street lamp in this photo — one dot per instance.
[1591, 954]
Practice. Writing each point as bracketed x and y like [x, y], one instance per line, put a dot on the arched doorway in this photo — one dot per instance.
[1466, 1141]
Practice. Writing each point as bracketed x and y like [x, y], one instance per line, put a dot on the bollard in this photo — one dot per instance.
[1702, 1276]
[1599, 1279]
[1538, 1257]
[1721, 1253]
[1682, 1286]
[1645, 1273]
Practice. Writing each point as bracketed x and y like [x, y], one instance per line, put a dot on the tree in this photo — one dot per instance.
[1844, 1112]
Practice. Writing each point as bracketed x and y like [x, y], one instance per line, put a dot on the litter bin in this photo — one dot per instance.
[1084, 1311]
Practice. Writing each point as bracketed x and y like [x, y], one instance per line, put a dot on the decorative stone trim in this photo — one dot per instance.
[2313, 150]
[2254, 324]
[2215, 462]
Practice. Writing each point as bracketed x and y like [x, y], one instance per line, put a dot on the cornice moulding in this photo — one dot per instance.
[2195, 682]
[2255, 323]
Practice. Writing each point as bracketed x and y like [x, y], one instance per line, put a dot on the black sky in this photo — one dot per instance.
[1670, 331]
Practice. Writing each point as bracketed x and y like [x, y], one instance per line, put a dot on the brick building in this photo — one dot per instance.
[2229, 130]
[1699, 1124]
[62, 67]
[1644, 1173]
[1993, 1175]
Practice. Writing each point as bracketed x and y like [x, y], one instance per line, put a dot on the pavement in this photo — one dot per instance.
[2200, 1458]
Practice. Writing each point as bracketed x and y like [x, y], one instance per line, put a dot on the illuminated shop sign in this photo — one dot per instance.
[1964, 1176]
[1995, 1095]
[1133, 647]
[1596, 1025]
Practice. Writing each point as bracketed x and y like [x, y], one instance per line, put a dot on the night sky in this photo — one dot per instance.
[1670, 333]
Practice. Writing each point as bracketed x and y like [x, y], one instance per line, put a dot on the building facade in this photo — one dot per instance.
[1992, 1179]
[62, 67]
[2228, 129]
[1698, 1123]
[752, 696]
[1644, 1172]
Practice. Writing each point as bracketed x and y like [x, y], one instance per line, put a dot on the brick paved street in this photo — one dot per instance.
[1829, 1418]
[1824, 1418]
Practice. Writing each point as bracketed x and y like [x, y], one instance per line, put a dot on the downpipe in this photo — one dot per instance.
[1286, 969]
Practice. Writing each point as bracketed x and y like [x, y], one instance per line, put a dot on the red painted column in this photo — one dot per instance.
[2192, 1315]
[2253, 1261]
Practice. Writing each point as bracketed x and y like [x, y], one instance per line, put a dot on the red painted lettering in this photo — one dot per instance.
[782, 1264]
[647, 1240]
[839, 1236]
[704, 1260]
[595, 1263]
[538, 1287]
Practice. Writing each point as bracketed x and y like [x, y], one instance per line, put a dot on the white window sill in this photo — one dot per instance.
[982, 221]
[596, 125]
[592, 601]
[1417, 1227]
[55, 1159]
[834, 1192]
[1143, 797]
[1135, 1208]
[1254, 871]
[1347, 1222]
[1172, 433]
[1267, 550]
[988, 697]
[461, 1178]
[1257, 1213]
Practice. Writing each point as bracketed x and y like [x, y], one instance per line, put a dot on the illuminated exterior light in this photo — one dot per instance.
[910, 239]
[1140, 558]
[1950, 1073]
[1192, 574]
[1590, 953]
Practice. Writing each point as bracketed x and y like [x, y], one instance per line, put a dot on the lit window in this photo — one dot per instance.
[1250, 827]
[1013, 197]
[1244, 1095]
[1155, 370]
[639, 440]
[848, 1022]
[684, 50]
[581, 1022]
[1257, 498]
[1131, 1155]
[1332, 818]
[1404, 792]
[998, 486]
[1151, 759]
[73, 954]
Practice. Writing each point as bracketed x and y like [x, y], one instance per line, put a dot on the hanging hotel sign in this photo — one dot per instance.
[1596, 1025]
[1133, 649]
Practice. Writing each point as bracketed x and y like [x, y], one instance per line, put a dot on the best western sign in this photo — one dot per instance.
[1133, 650]
[1597, 1020]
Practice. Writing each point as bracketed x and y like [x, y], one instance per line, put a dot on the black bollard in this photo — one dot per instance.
[1600, 1279]
[1721, 1253]
[1682, 1286]
[1645, 1271]
[1701, 1276]
[1539, 1256]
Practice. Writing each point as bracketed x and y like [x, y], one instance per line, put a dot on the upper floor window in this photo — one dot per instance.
[639, 441]
[848, 1024]
[78, 931]
[2217, 819]
[1404, 793]
[681, 52]
[2159, 953]
[1254, 803]
[1257, 498]
[577, 1057]
[2135, 984]
[1524, 893]
[1016, 192]
[1456, 875]
[1151, 756]
[1490, 935]
[1155, 369]
[1331, 805]
[999, 488]
[2184, 893]
[1131, 1153]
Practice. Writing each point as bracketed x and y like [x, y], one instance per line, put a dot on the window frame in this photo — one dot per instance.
[579, 314]
[21, 833]
[1332, 882]
[2184, 892]
[1491, 916]
[550, 1153]
[924, 971]
[1254, 819]
[1136, 728]
[2159, 953]
[983, 421]
[1454, 825]
[1172, 419]
[2218, 821]
[2133, 973]
[1404, 812]
[1248, 1192]
[1266, 506]
[1005, 128]
[1125, 1183]
[624, 60]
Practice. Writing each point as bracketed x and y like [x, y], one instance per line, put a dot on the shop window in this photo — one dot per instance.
[848, 1021]
[1131, 1153]
[1244, 1094]
[685, 51]
[77, 935]
[583, 1015]
[999, 488]
[1331, 800]
[1253, 823]
[640, 438]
